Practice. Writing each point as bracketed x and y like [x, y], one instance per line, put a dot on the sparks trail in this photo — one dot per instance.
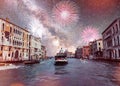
[65, 13]
[90, 34]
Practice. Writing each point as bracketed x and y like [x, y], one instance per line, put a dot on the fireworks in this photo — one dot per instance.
[90, 34]
[65, 13]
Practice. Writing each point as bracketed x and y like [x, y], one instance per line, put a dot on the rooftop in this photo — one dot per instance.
[111, 25]
[7, 20]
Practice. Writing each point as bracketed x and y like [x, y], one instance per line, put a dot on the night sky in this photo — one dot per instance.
[42, 18]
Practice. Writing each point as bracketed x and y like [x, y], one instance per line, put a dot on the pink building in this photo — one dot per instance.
[86, 51]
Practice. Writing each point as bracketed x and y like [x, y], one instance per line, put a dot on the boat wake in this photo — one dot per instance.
[83, 61]
[10, 66]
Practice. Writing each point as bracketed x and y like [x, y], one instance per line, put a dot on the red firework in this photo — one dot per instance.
[65, 13]
[90, 34]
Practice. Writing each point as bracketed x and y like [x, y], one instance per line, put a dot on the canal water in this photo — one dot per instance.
[76, 73]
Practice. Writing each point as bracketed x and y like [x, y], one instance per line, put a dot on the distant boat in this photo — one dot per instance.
[61, 58]
[31, 62]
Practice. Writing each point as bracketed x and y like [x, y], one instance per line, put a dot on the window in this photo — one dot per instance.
[109, 43]
[10, 29]
[116, 28]
[2, 39]
[14, 30]
[1, 47]
[113, 30]
[99, 43]
[17, 42]
[9, 55]
[114, 42]
[99, 48]
[118, 39]
[3, 26]
[13, 42]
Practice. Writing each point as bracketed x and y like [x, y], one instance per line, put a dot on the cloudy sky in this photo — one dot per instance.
[62, 23]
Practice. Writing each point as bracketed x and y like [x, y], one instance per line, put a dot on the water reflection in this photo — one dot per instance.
[116, 74]
[75, 73]
[60, 70]
[9, 66]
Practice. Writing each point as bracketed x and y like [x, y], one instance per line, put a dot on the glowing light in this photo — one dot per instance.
[72, 49]
[56, 42]
[65, 13]
[90, 34]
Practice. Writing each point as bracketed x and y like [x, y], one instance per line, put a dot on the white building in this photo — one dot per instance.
[97, 48]
[111, 40]
[35, 48]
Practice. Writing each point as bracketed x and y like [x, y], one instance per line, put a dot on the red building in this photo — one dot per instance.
[86, 51]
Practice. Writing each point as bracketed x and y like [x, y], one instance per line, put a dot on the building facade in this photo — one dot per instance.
[97, 48]
[79, 52]
[91, 47]
[43, 49]
[16, 43]
[111, 40]
[35, 48]
[86, 52]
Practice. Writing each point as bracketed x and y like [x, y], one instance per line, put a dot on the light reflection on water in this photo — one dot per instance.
[10, 66]
[116, 74]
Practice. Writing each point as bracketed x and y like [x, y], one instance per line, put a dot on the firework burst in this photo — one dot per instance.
[90, 34]
[65, 13]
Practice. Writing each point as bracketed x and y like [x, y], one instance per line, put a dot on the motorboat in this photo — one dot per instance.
[61, 58]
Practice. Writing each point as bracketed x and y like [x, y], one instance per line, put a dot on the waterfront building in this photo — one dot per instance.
[14, 41]
[17, 43]
[43, 52]
[69, 54]
[35, 48]
[79, 53]
[97, 48]
[86, 52]
[111, 40]
[91, 47]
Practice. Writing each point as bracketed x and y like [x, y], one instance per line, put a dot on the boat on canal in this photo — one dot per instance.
[61, 58]
[31, 62]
